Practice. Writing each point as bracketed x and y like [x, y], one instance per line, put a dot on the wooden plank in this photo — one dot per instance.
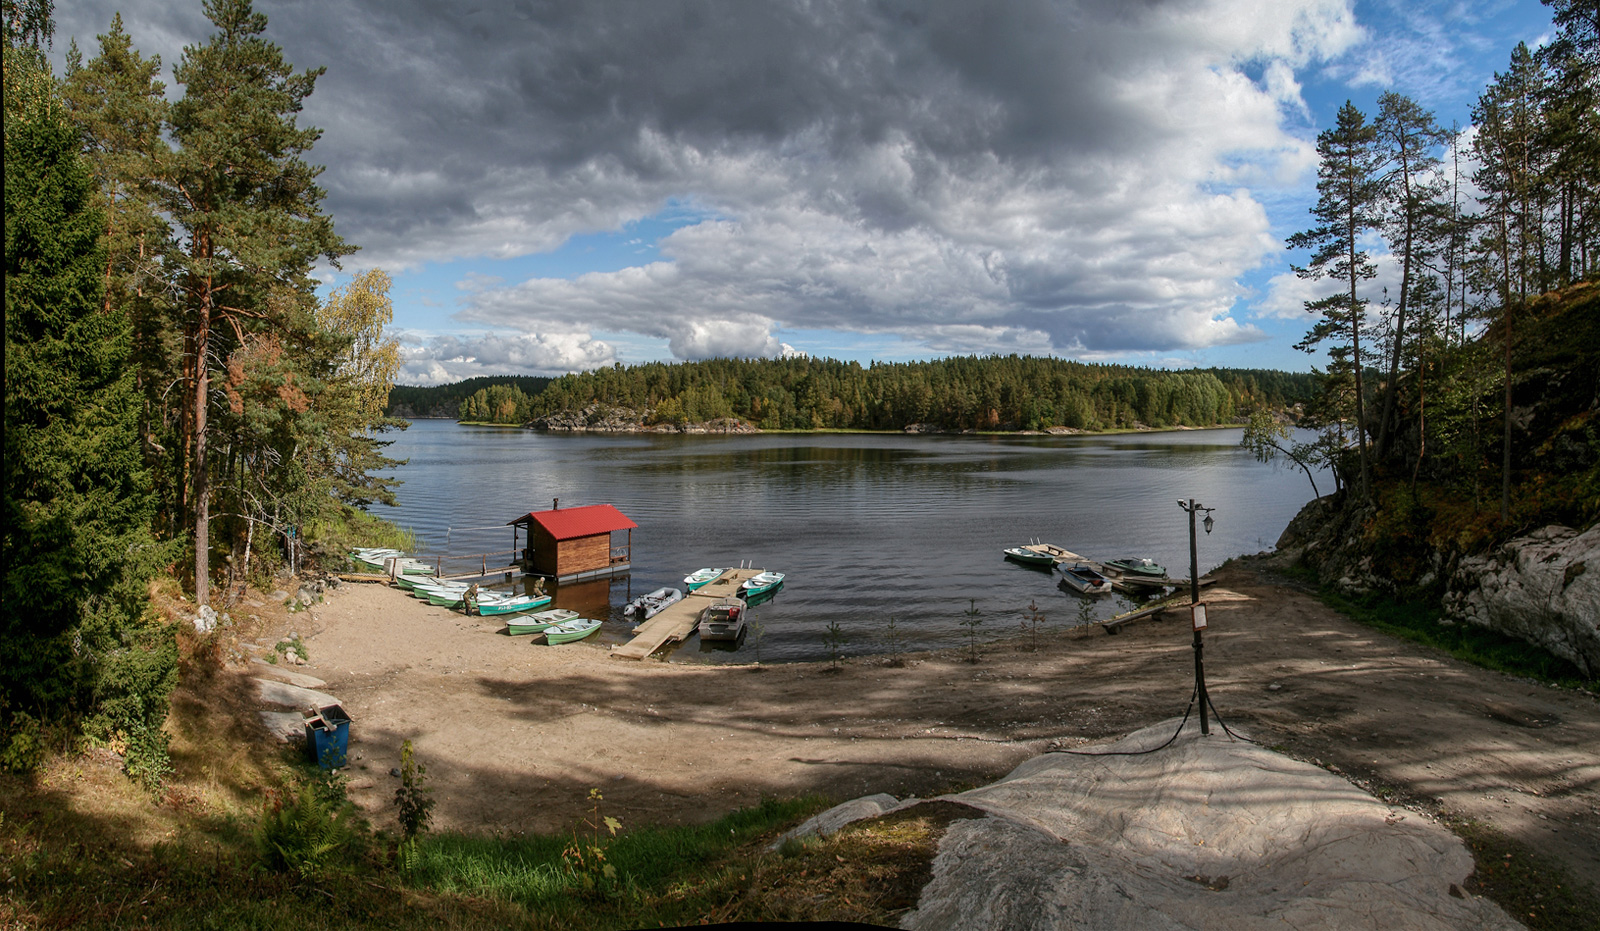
[1050, 549]
[363, 577]
[1178, 600]
[480, 575]
[677, 621]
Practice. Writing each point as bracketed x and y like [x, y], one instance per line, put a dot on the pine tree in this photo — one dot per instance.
[1507, 116]
[1412, 189]
[1346, 208]
[248, 208]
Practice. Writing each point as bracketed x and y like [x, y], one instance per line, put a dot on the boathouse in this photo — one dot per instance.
[567, 544]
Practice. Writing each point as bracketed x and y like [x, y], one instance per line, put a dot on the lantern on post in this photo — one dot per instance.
[1198, 610]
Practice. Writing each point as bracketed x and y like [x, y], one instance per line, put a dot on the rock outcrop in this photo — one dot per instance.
[1543, 588]
[1207, 833]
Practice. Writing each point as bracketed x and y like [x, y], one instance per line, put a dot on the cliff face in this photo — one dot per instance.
[1542, 588]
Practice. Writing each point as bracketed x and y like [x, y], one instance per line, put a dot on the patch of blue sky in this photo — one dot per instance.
[1442, 53]
[426, 298]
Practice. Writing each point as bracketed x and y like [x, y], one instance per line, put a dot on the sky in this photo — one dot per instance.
[558, 186]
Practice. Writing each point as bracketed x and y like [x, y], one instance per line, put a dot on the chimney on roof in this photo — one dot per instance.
[555, 504]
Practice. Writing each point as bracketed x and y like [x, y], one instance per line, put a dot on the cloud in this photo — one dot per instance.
[1013, 176]
[434, 360]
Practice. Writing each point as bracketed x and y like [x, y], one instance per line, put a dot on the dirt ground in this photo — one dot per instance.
[515, 734]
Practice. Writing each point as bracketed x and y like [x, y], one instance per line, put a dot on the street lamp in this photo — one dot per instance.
[1196, 609]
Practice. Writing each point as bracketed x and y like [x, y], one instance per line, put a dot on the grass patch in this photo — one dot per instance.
[1422, 623]
[869, 872]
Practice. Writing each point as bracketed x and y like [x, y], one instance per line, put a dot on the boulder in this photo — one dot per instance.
[1543, 588]
[1209, 832]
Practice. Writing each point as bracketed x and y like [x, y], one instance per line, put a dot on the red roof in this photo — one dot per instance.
[571, 523]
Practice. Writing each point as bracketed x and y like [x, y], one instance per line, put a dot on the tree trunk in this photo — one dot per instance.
[202, 500]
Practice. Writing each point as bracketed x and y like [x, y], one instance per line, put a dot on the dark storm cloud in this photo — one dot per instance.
[1050, 176]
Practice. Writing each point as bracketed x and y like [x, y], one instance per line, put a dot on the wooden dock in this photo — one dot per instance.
[677, 621]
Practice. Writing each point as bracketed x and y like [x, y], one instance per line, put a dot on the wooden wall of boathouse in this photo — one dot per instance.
[569, 557]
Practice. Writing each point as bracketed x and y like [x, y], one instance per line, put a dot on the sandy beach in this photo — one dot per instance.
[515, 734]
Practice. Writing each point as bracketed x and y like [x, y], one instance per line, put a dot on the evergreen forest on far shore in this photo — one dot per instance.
[962, 393]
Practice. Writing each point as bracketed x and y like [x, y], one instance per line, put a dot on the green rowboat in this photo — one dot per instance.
[537, 623]
[1029, 557]
[520, 604]
[568, 631]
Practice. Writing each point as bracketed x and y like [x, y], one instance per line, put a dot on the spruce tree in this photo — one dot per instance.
[119, 104]
[77, 501]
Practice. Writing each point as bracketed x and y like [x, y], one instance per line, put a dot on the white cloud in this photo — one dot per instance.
[434, 359]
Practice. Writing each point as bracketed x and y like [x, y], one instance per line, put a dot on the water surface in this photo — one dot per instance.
[868, 527]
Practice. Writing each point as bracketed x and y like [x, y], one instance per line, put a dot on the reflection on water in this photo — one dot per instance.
[868, 527]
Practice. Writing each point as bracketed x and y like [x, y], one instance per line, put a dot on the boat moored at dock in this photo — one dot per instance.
[1136, 567]
[1083, 577]
[762, 583]
[647, 606]
[702, 577]
[723, 619]
[1029, 557]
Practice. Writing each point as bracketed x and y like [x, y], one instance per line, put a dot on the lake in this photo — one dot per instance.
[867, 527]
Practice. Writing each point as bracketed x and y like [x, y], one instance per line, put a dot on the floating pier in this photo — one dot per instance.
[677, 621]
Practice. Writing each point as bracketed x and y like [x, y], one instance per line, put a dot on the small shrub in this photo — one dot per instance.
[756, 630]
[146, 759]
[24, 744]
[894, 644]
[1032, 620]
[973, 618]
[585, 857]
[834, 639]
[291, 642]
[308, 836]
[414, 802]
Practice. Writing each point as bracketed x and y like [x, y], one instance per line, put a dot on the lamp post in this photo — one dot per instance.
[1196, 609]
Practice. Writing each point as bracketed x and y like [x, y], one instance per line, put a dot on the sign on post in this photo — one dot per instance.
[1198, 612]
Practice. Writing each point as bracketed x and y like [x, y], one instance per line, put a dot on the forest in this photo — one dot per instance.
[410, 401]
[181, 408]
[963, 393]
[1462, 406]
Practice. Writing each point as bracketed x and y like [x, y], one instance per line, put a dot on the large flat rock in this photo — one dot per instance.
[1209, 832]
[284, 725]
[272, 671]
[282, 693]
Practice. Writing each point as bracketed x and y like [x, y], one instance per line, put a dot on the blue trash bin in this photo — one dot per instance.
[328, 736]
